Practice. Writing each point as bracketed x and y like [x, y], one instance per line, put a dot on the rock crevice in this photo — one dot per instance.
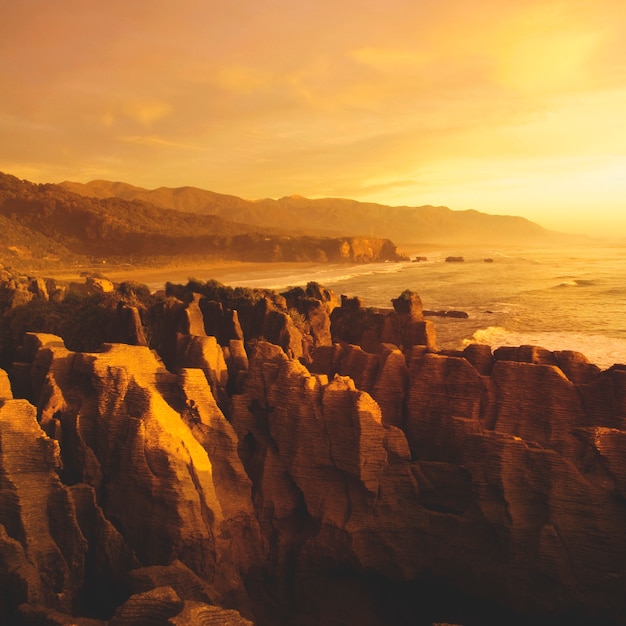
[267, 460]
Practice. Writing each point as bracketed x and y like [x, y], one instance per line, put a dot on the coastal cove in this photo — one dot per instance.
[313, 314]
[294, 458]
[570, 298]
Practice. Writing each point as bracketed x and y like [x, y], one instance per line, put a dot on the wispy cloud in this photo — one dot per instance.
[155, 140]
[407, 102]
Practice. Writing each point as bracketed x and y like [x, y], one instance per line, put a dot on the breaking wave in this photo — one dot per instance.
[577, 282]
[599, 349]
[324, 275]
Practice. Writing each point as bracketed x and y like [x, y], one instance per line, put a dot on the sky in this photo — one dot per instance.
[513, 107]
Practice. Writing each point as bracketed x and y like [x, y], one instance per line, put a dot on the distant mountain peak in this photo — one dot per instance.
[342, 216]
[120, 223]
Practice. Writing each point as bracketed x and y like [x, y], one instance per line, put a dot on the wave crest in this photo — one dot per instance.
[599, 349]
[577, 282]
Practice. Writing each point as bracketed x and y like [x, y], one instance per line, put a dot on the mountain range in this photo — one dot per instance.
[104, 221]
[42, 224]
[339, 216]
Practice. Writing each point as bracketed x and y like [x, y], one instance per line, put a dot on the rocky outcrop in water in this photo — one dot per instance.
[376, 481]
[404, 326]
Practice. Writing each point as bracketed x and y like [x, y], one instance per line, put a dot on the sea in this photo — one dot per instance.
[570, 298]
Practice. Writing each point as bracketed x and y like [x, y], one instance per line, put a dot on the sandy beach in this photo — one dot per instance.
[228, 272]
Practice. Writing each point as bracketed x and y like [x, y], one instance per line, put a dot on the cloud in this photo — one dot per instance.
[389, 59]
[147, 112]
[155, 140]
[388, 101]
[242, 79]
[543, 53]
[386, 187]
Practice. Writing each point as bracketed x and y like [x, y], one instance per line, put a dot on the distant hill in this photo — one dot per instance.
[48, 223]
[340, 217]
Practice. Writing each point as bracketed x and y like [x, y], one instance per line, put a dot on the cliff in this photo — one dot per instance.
[275, 472]
[47, 224]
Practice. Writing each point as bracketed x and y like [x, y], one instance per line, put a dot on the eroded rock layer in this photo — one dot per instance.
[303, 481]
[154, 478]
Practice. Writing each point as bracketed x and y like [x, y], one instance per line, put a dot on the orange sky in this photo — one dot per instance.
[504, 106]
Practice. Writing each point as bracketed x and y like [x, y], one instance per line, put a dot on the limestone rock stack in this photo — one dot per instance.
[42, 550]
[154, 475]
[284, 471]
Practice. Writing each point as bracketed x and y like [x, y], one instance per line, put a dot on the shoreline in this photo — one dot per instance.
[222, 271]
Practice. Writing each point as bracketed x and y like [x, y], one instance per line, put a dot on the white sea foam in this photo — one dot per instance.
[322, 274]
[578, 282]
[599, 349]
[515, 300]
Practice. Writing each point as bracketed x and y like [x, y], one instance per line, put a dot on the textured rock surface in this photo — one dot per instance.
[42, 550]
[207, 355]
[162, 492]
[155, 478]
[382, 483]
[404, 326]
[151, 607]
[127, 327]
[108, 557]
[383, 375]
[199, 614]
[537, 403]
[507, 491]
[442, 389]
[6, 392]
[221, 323]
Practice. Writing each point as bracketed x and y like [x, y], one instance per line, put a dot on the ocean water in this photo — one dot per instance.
[561, 299]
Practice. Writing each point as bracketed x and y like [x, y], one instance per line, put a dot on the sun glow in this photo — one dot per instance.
[510, 107]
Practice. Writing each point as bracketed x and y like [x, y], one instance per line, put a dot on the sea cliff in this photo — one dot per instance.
[211, 455]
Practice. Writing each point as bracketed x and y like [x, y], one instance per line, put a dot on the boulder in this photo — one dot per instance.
[186, 584]
[200, 614]
[409, 303]
[156, 606]
[525, 354]
[99, 285]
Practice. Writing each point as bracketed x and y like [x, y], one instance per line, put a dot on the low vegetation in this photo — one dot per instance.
[48, 224]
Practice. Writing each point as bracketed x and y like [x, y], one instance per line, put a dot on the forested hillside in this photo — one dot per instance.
[48, 223]
[340, 216]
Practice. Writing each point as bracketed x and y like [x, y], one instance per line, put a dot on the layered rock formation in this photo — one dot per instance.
[502, 483]
[150, 476]
[47, 224]
[285, 471]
